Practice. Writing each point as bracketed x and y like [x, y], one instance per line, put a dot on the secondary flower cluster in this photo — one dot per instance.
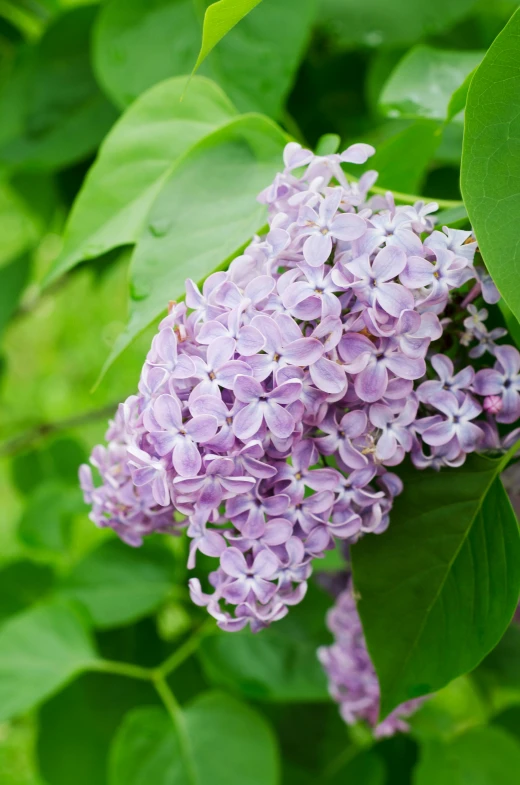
[352, 679]
[273, 402]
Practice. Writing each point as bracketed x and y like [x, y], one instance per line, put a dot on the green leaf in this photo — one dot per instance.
[57, 460]
[424, 81]
[278, 665]
[40, 651]
[76, 726]
[402, 159]
[512, 323]
[224, 743]
[380, 23]
[366, 769]
[190, 231]
[454, 709]
[498, 676]
[133, 163]
[13, 279]
[458, 99]
[254, 64]
[219, 19]
[118, 584]
[19, 229]
[490, 175]
[66, 116]
[444, 578]
[482, 756]
[46, 521]
[23, 583]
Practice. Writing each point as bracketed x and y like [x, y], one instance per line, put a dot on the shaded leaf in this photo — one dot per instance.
[278, 665]
[40, 651]
[402, 160]
[133, 163]
[490, 174]
[23, 583]
[65, 115]
[191, 232]
[219, 19]
[424, 81]
[118, 584]
[76, 727]
[445, 577]
[379, 23]
[47, 518]
[255, 63]
[225, 743]
[482, 756]
[13, 279]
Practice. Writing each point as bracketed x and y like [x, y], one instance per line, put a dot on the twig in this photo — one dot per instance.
[32, 435]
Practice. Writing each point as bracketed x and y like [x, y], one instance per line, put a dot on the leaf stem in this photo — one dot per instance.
[445, 204]
[177, 717]
[121, 669]
[186, 650]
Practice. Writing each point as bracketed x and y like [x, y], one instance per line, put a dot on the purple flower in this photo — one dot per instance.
[325, 225]
[284, 345]
[217, 484]
[353, 682]
[370, 363]
[219, 370]
[147, 470]
[373, 281]
[457, 424]
[394, 428]
[448, 379]
[339, 438]
[314, 296]
[170, 436]
[503, 380]
[264, 406]
[249, 578]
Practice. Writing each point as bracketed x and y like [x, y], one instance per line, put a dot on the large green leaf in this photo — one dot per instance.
[482, 756]
[379, 23]
[138, 44]
[224, 743]
[206, 210]
[40, 651]
[424, 81]
[65, 114]
[280, 664]
[133, 163]
[439, 588]
[118, 584]
[76, 726]
[490, 175]
[219, 19]
[402, 159]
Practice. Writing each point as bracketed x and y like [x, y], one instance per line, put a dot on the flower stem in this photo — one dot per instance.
[177, 717]
[186, 650]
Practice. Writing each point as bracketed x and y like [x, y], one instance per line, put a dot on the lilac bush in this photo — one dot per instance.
[274, 403]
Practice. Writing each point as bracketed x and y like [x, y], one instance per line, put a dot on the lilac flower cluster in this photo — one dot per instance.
[352, 679]
[313, 347]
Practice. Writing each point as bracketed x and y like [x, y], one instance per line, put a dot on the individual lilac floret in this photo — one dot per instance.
[353, 681]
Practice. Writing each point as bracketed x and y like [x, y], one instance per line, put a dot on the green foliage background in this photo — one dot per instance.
[108, 674]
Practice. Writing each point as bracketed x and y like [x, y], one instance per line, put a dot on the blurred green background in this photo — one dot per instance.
[68, 69]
